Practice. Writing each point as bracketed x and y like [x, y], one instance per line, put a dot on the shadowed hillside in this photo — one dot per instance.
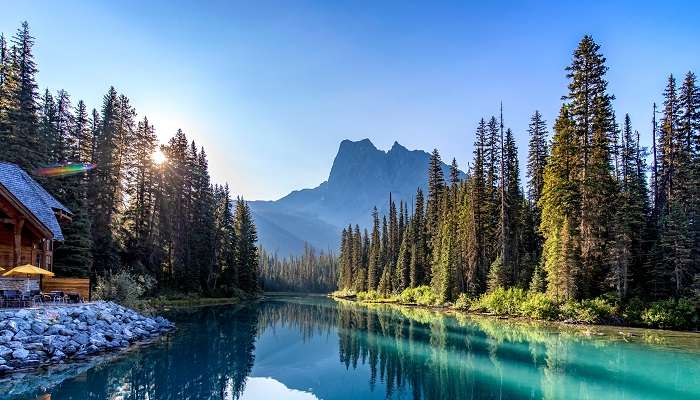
[361, 177]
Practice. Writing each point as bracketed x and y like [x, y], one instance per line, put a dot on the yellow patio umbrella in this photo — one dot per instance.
[27, 269]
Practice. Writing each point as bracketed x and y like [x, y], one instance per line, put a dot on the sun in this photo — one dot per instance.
[158, 157]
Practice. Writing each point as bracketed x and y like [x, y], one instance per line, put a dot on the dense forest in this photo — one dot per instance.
[587, 224]
[160, 218]
[309, 272]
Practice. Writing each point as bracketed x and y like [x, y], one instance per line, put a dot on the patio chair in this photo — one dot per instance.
[74, 297]
[35, 297]
[57, 296]
[12, 297]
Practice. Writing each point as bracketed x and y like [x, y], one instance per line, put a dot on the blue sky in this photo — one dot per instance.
[271, 88]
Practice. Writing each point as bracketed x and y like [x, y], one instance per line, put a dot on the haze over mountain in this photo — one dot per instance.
[361, 178]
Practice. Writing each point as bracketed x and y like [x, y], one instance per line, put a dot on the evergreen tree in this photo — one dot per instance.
[224, 275]
[418, 249]
[81, 135]
[73, 256]
[136, 227]
[246, 249]
[107, 184]
[345, 274]
[560, 204]
[630, 218]
[8, 103]
[481, 234]
[538, 153]
[359, 270]
[593, 122]
[444, 263]
[403, 263]
[454, 173]
[436, 187]
[26, 146]
[374, 263]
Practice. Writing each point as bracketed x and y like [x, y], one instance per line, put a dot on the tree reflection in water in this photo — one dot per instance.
[406, 353]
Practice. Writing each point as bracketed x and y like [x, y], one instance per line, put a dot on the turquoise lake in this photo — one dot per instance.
[315, 348]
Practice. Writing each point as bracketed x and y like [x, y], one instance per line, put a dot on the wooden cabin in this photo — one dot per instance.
[29, 220]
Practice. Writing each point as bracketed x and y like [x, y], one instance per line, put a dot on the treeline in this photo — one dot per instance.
[165, 219]
[587, 224]
[309, 272]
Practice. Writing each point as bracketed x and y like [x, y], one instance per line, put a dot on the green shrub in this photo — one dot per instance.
[369, 295]
[539, 306]
[671, 314]
[463, 302]
[422, 295]
[344, 294]
[633, 311]
[501, 301]
[124, 287]
[426, 297]
[589, 311]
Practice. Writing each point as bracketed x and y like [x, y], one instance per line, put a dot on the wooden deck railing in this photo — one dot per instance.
[79, 285]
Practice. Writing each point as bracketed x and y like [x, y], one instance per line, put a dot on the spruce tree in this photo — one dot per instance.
[538, 154]
[26, 146]
[246, 249]
[630, 218]
[8, 103]
[417, 267]
[436, 187]
[403, 262]
[560, 204]
[374, 264]
[106, 185]
[591, 111]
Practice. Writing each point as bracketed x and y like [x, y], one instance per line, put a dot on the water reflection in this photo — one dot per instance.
[310, 348]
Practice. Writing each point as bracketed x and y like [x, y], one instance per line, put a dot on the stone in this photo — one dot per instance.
[31, 338]
[15, 344]
[34, 346]
[55, 329]
[105, 317]
[6, 336]
[70, 348]
[20, 335]
[12, 326]
[81, 338]
[20, 354]
[39, 327]
[58, 355]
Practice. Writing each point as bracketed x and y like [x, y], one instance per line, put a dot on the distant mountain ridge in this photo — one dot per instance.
[361, 178]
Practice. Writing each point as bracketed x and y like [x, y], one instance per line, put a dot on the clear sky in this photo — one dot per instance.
[271, 88]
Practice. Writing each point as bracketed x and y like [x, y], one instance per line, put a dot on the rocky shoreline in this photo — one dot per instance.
[34, 338]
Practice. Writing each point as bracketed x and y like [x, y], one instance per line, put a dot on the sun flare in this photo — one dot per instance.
[158, 157]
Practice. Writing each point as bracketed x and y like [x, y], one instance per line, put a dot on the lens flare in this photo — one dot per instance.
[159, 157]
[67, 169]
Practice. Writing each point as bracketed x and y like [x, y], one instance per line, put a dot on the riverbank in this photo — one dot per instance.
[36, 338]
[159, 303]
[515, 303]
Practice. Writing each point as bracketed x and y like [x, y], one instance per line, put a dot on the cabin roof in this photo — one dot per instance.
[33, 196]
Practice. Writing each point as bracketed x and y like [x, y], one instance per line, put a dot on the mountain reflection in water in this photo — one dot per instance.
[315, 348]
